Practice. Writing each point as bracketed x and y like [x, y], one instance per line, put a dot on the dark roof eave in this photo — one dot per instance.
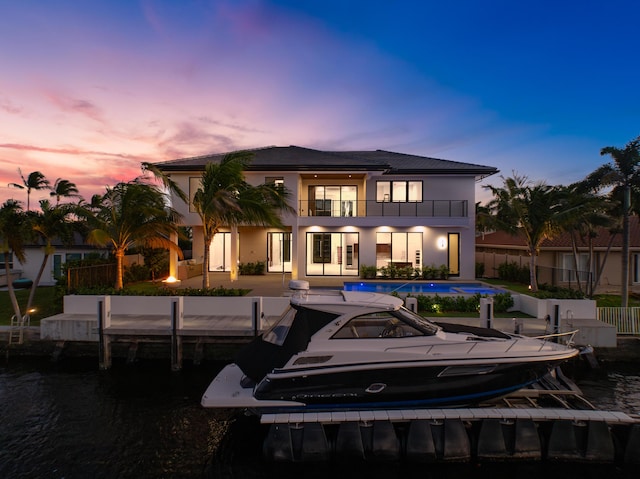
[446, 171]
[278, 168]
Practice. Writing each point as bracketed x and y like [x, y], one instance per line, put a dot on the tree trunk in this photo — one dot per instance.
[119, 269]
[35, 284]
[603, 262]
[205, 261]
[624, 295]
[532, 270]
[576, 262]
[12, 292]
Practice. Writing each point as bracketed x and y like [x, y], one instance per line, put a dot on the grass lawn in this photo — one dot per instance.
[44, 304]
[602, 300]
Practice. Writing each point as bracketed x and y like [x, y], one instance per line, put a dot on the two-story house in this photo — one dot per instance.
[353, 208]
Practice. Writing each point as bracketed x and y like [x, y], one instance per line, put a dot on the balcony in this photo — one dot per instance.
[351, 208]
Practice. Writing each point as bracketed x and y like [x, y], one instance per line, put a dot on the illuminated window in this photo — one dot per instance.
[399, 191]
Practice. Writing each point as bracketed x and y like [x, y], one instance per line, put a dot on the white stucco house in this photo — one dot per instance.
[34, 254]
[354, 208]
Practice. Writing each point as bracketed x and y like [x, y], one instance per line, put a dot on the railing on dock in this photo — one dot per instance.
[626, 320]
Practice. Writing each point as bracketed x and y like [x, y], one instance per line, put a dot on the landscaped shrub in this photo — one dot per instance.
[219, 291]
[479, 270]
[514, 272]
[136, 272]
[546, 291]
[462, 304]
[502, 302]
[368, 272]
[430, 271]
[434, 272]
[389, 272]
[256, 268]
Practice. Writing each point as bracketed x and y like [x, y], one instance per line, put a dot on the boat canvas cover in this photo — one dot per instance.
[260, 357]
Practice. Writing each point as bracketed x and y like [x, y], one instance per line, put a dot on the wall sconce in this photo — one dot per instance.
[442, 243]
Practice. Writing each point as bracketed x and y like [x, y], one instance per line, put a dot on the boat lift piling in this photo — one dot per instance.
[177, 323]
[454, 436]
[104, 341]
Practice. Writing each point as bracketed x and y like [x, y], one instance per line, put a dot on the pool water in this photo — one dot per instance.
[423, 287]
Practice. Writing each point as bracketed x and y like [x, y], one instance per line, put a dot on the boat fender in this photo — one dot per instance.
[277, 445]
[632, 450]
[315, 447]
[600, 446]
[420, 445]
[385, 444]
[526, 439]
[349, 444]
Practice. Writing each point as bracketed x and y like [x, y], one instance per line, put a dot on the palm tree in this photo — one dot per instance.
[623, 174]
[535, 210]
[13, 232]
[64, 188]
[132, 214]
[589, 214]
[51, 222]
[225, 199]
[35, 181]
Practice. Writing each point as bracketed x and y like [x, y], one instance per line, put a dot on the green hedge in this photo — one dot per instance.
[502, 302]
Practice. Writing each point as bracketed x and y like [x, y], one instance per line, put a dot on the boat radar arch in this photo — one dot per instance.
[300, 288]
[299, 285]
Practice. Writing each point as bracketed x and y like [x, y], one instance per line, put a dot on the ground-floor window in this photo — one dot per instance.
[8, 257]
[400, 249]
[279, 252]
[332, 254]
[572, 272]
[220, 252]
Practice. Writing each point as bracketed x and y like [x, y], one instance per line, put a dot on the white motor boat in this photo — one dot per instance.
[342, 350]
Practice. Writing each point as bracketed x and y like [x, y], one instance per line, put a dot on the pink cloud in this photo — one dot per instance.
[10, 107]
[75, 105]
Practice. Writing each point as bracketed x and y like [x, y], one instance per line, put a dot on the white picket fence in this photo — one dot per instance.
[626, 320]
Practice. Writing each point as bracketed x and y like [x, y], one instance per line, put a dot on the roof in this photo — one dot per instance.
[500, 239]
[296, 158]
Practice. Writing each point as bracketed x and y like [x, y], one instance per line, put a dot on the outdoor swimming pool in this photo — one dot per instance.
[422, 287]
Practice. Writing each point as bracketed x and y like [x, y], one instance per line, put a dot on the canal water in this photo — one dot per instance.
[68, 420]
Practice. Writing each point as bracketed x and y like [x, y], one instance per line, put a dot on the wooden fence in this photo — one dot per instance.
[91, 276]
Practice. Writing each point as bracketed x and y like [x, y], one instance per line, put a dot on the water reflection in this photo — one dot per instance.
[70, 420]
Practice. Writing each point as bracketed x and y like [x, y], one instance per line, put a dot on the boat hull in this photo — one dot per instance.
[402, 385]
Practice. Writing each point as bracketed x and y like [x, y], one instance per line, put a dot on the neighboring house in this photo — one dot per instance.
[353, 208]
[53, 269]
[556, 260]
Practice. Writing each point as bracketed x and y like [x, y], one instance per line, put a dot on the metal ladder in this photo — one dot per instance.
[16, 330]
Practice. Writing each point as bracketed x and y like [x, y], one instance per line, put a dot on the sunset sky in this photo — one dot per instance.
[89, 89]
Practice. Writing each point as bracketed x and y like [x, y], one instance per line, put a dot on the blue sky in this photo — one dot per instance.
[89, 89]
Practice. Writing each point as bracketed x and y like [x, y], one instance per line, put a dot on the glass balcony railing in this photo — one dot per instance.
[350, 208]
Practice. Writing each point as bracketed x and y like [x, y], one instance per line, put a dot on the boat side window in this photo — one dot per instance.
[381, 324]
[278, 332]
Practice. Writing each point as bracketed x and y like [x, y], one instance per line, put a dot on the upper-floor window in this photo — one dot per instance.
[275, 180]
[333, 200]
[399, 191]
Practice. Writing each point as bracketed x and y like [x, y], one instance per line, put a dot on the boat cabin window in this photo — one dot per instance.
[383, 324]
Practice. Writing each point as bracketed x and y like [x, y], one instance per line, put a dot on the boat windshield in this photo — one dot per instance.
[417, 321]
[278, 332]
[385, 324]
